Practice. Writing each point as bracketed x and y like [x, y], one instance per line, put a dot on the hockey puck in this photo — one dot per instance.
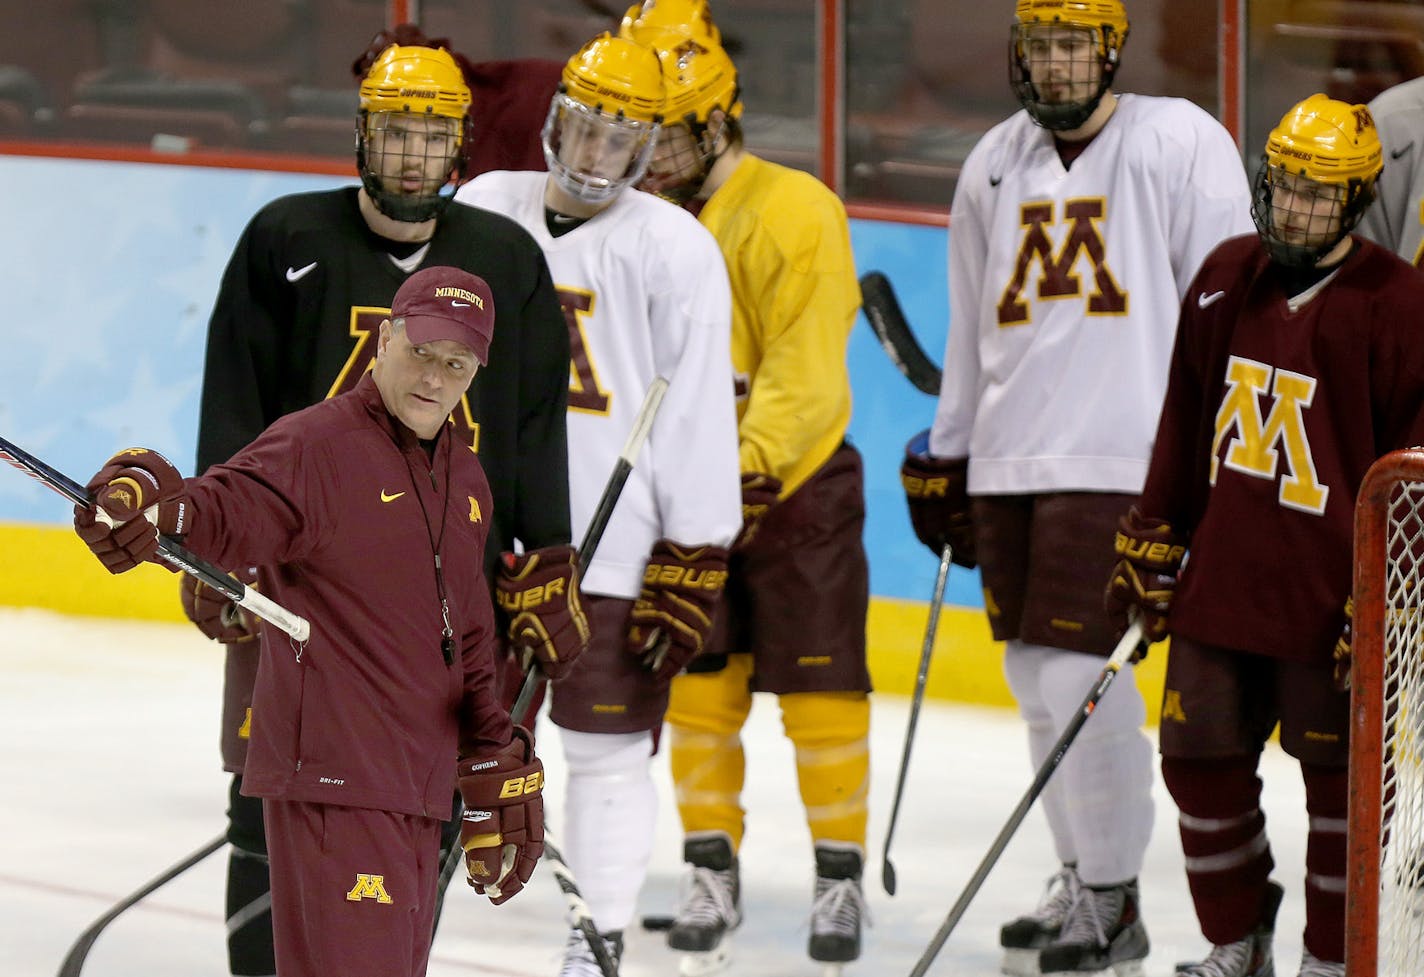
[658, 924]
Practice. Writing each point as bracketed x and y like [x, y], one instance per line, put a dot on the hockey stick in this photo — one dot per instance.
[74, 959]
[1131, 643]
[883, 312]
[887, 872]
[578, 909]
[169, 549]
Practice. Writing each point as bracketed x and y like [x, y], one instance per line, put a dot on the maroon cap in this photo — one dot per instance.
[447, 303]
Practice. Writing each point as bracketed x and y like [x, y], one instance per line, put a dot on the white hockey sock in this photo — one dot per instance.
[1101, 811]
[1021, 668]
[610, 810]
[1106, 775]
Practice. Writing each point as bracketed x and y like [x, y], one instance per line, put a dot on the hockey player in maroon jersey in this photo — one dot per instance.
[367, 513]
[1298, 361]
[295, 322]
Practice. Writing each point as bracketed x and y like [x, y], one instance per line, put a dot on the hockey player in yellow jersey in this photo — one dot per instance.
[793, 614]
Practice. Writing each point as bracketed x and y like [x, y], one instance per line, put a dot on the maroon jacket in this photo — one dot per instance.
[342, 509]
[1270, 421]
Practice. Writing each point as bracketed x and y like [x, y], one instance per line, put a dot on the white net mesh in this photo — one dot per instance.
[1401, 861]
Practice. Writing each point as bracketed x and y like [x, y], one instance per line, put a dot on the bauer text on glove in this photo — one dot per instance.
[539, 594]
[502, 828]
[1145, 576]
[936, 492]
[672, 616]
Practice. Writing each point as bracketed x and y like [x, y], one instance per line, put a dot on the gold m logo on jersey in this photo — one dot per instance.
[369, 887]
[1256, 446]
[1056, 278]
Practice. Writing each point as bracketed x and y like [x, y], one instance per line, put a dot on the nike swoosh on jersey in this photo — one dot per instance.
[994, 181]
[1396, 153]
[1203, 300]
[297, 274]
[460, 305]
[390, 498]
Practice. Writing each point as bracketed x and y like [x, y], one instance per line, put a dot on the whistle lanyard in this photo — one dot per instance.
[447, 633]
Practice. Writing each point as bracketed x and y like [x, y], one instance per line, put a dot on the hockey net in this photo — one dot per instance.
[1385, 886]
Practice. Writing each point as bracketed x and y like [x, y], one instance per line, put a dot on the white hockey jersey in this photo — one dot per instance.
[1064, 291]
[645, 291]
[1396, 218]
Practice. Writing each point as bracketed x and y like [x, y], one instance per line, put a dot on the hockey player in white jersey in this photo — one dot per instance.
[1396, 218]
[645, 292]
[1076, 227]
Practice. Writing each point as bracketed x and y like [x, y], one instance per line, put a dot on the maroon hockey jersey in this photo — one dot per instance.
[1272, 417]
[344, 511]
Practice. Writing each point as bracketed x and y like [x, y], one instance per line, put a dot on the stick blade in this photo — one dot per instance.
[887, 877]
[887, 319]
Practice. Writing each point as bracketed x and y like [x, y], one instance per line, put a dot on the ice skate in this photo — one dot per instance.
[838, 908]
[1102, 933]
[579, 960]
[1024, 937]
[1310, 966]
[1248, 957]
[709, 907]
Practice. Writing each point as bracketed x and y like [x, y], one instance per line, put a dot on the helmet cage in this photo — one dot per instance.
[1061, 115]
[377, 140]
[685, 168]
[578, 139]
[1304, 248]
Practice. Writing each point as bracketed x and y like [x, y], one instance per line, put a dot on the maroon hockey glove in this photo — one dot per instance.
[539, 592]
[1344, 653]
[502, 829]
[217, 617]
[935, 489]
[759, 493]
[1149, 556]
[672, 616]
[135, 482]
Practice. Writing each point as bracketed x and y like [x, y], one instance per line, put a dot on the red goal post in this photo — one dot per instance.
[1384, 900]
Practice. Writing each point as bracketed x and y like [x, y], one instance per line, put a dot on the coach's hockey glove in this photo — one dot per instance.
[215, 615]
[1149, 556]
[1344, 653]
[539, 593]
[502, 829]
[672, 616]
[134, 482]
[759, 493]
[935, 489]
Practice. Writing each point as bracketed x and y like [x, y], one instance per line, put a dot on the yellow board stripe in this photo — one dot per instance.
[48, 567]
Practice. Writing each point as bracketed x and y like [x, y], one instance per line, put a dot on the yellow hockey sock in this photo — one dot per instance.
[705, 718]
[831, 731]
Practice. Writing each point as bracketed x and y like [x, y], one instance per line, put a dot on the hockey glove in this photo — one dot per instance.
[216, 616]
[672, 616]
[935, 489]
[134, 482]
[1345, 648]
[759, 493]
[539, 591]
[1149, 556]
[502, 829]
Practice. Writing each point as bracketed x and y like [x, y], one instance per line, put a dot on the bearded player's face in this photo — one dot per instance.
[411, 154]
[1063, 62]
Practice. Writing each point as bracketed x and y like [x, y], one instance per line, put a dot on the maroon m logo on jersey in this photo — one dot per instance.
[1056, 277]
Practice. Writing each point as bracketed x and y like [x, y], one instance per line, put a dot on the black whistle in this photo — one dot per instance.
[447, 648]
